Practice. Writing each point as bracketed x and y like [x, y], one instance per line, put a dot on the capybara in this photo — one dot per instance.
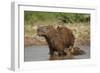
[76, 51]
[66, 35]
[57, 38]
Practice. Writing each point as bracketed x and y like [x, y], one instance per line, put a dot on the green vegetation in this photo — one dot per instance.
[31, 18]
[78, 22]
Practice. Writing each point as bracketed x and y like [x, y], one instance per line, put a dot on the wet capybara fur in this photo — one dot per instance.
[57, 38]
[76, 51]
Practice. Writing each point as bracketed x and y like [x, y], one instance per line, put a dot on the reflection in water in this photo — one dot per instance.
[41, 53]
[60, 58]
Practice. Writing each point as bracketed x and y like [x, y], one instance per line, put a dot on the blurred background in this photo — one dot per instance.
[79, 23]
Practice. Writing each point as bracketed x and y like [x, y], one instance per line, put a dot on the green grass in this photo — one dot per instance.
[31, 18]
[79, 23]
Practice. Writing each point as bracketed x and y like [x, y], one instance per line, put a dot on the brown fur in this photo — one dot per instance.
[66, 35]
[76, 51]
[58, 39]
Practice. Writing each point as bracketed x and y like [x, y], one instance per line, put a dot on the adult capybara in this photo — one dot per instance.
[57, 38]
[66, 35]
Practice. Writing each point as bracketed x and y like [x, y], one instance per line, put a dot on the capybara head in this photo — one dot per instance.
[44, 30]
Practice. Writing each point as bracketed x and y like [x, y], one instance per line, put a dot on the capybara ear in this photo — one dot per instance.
[58, 27]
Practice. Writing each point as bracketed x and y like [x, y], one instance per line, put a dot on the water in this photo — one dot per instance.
[41, 53]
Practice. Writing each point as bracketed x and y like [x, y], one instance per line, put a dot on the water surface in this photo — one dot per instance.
[41, 53]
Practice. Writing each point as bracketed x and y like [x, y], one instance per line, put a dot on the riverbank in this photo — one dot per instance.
[81, 32]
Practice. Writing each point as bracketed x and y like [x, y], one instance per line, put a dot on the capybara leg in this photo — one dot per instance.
[56, 53]
[51, 52]
[62, 53]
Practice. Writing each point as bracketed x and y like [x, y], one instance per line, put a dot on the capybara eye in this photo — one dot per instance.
[37, 29]
[47, 28]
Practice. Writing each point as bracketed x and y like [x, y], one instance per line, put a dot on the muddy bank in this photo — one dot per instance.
[29, 41]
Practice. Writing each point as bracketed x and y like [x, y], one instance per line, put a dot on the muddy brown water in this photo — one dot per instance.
[41, 53]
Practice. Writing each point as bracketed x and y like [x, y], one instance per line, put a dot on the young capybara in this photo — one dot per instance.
[76, 51]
